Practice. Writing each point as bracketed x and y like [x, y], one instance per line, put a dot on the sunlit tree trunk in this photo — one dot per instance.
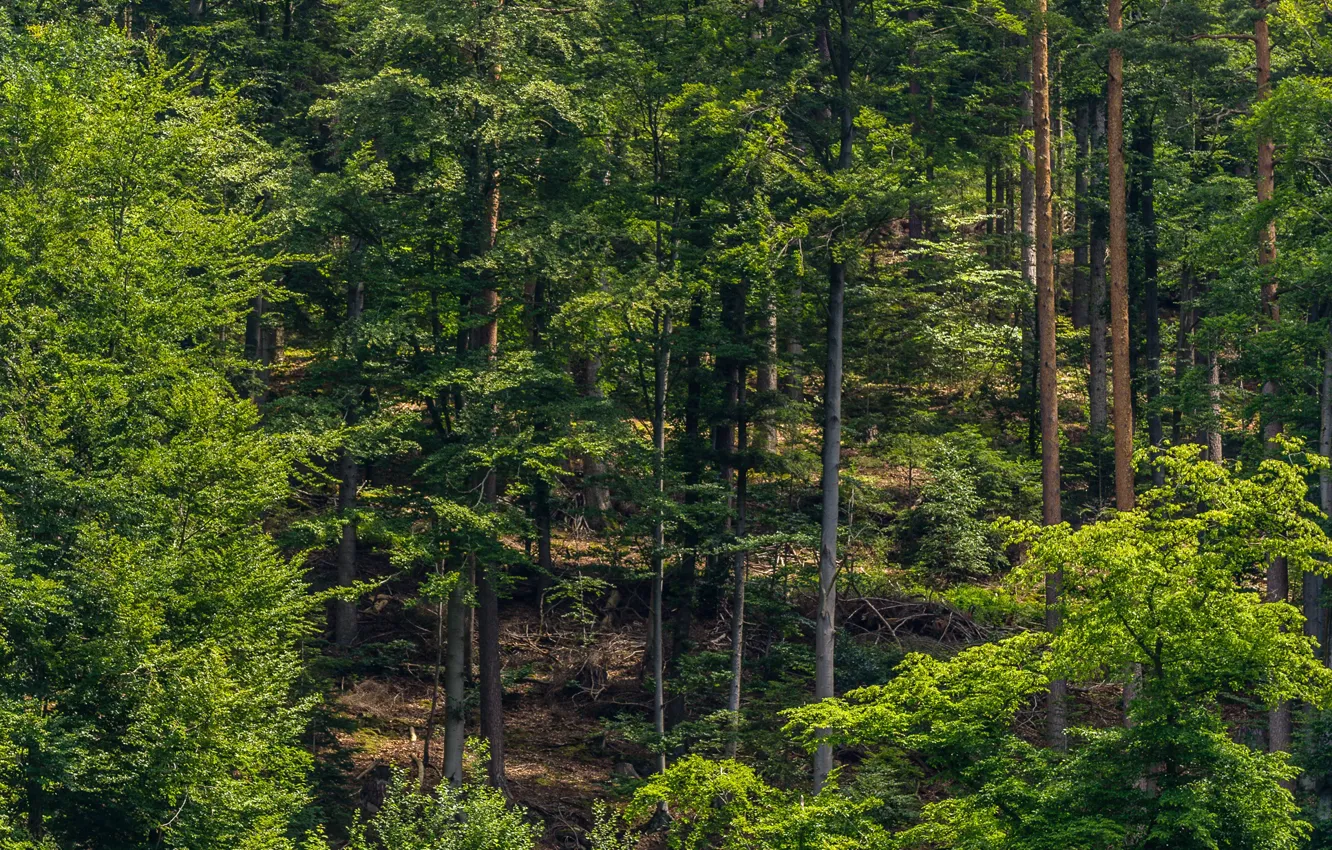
[1119, 300]
[825, 625]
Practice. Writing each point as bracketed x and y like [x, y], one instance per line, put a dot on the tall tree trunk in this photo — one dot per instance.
[1184, 353]
[1317, 622]
[683, 587]
[455, 662]
[489, 666]
[1119, 301]
[767, 371]
[434, 694]
[1045, 299]
[825, 628]
[1210, 436]
[1081, 185]
[1030, 345]
[795, 349]
[662, 358]
[1146, 145]
[1278, 578]
[349, 473]
[1098, 315]
[741, 567]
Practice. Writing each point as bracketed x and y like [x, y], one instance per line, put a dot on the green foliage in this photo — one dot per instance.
[472, 817]
[724, 804]
[1161, 589]
[148, 661]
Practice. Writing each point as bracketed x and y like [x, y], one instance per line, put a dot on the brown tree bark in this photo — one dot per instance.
[1146, 150]
[485, 338]
[1119, 301]
[1049, 390]
[1098, 317]
[1081, 295]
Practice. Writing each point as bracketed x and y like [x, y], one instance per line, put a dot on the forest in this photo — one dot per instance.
[690, 424]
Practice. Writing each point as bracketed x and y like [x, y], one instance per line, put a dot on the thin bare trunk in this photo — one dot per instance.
[434, 691]
[1278, 577]
[741, 566]
[1098, 315]
[767, 371]
[1119, 301]
[1146, 149]
[1316, 619]
[1049, 389]
[1081, 186]
[349, 473]
[662, 367]
[825, 626]
[454, 676]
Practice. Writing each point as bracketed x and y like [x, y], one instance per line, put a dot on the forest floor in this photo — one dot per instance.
[560, 686]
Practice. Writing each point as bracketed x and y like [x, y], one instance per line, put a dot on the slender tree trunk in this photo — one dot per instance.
[434, 693]
[767, 371]
[1098, 314]
[663, 367]
[1146, 147]
[1184, 353]
[1028, 187]
[825, 629]
[684, 585]
[454, 676]
[349, 473]
[1316, 619]
[489, 666]
[741, 567]
[1278, 578]
[1045, 299]
[1081, 186]
[1030, 333]
[795, 349]
[1119, 301]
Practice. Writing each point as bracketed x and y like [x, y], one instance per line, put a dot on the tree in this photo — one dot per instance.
[1119, 301]
[149, 685]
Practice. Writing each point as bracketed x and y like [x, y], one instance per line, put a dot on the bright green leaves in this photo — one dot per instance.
[1170, 586]
[149, 663]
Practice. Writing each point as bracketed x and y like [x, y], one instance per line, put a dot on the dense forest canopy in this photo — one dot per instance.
[502, 424]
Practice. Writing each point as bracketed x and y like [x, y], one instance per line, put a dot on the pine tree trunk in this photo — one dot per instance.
[1098, 313]
[1152, 308]
[662, 371]
[1119, 302]
[1081, 295]
[1027, 394]
[1046, 317]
